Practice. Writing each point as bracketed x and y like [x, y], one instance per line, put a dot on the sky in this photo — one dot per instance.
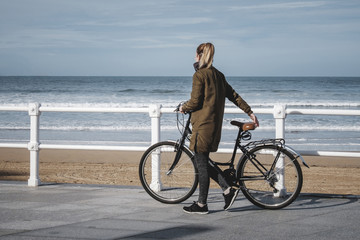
[159, 37]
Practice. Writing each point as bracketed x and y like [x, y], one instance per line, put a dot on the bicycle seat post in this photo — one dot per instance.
[237, 144]
[243, 127]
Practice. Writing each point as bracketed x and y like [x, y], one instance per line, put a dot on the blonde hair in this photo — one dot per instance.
[206, 53]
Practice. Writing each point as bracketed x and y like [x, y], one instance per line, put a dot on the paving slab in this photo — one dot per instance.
[69, 211]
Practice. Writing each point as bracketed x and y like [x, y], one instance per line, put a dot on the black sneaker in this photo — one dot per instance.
[230, 198]
[195, 208]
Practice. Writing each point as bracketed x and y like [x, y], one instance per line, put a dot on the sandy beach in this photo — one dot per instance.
[331, 175]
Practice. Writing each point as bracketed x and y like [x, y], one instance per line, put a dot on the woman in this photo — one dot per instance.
[207, 104]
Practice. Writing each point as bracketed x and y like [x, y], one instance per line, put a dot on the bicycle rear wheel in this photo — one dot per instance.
[164, 186]
[266, 186]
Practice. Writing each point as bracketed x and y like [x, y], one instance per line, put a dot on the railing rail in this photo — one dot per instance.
[34, 110]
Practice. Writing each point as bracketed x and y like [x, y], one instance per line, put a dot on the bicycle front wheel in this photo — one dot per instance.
[270, 177]
[161, 184]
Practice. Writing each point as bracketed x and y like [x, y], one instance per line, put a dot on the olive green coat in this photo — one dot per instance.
[207, 102]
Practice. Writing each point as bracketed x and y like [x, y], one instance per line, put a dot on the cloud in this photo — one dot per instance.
[279, 6]
[126, 31]
[157, 22]
[45, 38]
[165, 45]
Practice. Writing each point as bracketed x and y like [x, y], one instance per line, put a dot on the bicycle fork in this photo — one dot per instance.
[178, 148]
[177, 156]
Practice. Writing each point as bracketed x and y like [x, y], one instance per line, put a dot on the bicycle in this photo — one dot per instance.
[268, 172]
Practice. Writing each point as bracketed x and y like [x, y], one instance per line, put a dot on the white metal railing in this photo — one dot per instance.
[34, 110]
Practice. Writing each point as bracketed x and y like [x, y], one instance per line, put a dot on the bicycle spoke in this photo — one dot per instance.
[165, 186]
[278, 186]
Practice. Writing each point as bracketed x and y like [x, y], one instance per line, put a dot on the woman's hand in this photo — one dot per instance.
[255, 120]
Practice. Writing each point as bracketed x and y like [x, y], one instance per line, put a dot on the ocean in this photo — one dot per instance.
[303, 132]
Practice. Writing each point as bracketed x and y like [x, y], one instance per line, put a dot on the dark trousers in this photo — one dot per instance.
[206, 171]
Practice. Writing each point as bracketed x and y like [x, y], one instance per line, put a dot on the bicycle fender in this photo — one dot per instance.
[297, 155]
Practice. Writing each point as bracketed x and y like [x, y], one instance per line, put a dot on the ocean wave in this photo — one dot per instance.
[79, 142]
[139, 104]
[145, 104]
[130, 90]
[304, 104]
[136, 127]
[294, 129]
[152, 91]
[91, 128]
[164, 91]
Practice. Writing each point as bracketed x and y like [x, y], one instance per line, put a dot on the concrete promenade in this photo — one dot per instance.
[67, 211]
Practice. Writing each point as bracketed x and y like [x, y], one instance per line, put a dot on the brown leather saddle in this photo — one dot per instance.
[244, 126]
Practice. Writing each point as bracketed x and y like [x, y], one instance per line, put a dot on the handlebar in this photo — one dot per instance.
[177, 109]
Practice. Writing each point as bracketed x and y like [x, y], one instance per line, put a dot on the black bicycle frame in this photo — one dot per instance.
[256, 163]
[179, 145]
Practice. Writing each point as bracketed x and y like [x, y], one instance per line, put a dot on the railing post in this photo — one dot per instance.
[33, 145]
[280, 115]
[155, 114]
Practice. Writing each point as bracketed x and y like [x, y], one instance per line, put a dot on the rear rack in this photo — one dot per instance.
[271, 141]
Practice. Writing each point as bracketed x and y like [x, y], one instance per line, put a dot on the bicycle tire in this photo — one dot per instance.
[168, 188]
[258, 189]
